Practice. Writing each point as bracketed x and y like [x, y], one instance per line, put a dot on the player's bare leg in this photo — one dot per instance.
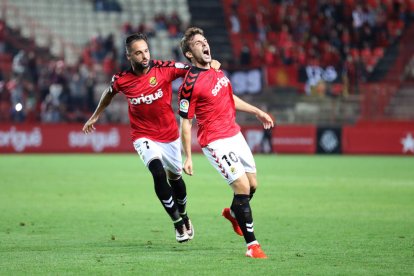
[252, 183]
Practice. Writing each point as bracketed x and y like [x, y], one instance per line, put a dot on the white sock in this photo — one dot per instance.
[251, 243]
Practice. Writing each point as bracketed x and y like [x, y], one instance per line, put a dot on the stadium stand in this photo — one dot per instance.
[337, 29]
[65, 26]
[56, 56]
[364, 41]
[81, 44]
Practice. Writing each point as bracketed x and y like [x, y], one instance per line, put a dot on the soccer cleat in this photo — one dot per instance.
[256, 252]
[181, 234]
[189, 229]
[226, 213]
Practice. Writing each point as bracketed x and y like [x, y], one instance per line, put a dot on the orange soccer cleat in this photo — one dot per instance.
[256, 252]
[226, 213]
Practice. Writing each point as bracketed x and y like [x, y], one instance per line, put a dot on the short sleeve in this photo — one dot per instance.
[187, 95]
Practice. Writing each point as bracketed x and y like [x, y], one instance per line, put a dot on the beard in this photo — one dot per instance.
[140, 66]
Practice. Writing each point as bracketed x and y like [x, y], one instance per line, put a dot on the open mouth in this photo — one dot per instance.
[206, 52]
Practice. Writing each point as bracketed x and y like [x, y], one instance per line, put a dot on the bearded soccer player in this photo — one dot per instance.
[207, 95]
[154, 129]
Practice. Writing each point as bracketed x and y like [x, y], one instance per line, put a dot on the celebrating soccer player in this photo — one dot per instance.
[154, 129]
[207, 95]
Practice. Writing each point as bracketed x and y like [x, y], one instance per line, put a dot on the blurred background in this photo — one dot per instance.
[338, 76]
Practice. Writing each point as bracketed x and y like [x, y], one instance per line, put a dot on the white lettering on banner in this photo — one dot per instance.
[19, 140]
[224, 81]
[98, 140]
[316, 74]
[293, 141]
[148, 99]
[408, 143]
[246, 82]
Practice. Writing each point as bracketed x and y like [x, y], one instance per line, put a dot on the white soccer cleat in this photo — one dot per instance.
[189, 229]
[181, 234]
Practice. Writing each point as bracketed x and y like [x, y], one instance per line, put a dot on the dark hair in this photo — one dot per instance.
[134, 37]
[188, 36]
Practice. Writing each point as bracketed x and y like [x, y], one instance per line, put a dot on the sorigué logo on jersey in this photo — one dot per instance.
[153, 81]
[224, 81]
[148, 99]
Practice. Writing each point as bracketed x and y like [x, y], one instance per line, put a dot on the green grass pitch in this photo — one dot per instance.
[98, 215]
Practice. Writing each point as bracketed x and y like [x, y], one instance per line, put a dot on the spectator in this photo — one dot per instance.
[17, 98]
[32, 73]
[2, 36]
[358, 17]
[245, 55]
[53, 107]
[174, 25]
[266, 143]
[235, 23]
[77, 88]
[252, 22]
[19, 63]
[409, 70]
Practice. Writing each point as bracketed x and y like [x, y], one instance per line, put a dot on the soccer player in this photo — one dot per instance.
[154, 129]
[207, 94]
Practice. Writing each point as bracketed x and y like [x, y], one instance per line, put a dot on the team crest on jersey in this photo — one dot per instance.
[184, 104]
[233, 170]
[153, 81]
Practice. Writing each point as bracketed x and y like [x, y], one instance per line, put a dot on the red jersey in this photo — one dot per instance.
[207, 94]
[149, 100]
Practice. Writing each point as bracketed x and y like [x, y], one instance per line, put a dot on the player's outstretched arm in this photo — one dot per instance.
[262, 116]
[105, 100]
[185, 129]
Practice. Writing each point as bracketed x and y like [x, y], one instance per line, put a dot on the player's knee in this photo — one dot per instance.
[252, 191]
[252, 181]
[173, 176]
[241, 206]
[240, 199]
[241, 185]
[157, 170]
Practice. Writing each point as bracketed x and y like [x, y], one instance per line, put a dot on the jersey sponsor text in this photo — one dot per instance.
[148, 99]
[224, 81]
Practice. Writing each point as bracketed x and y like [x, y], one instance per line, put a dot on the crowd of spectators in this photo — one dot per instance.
[41, 88]
[35, 87]
[172, 24]
[317, 32]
